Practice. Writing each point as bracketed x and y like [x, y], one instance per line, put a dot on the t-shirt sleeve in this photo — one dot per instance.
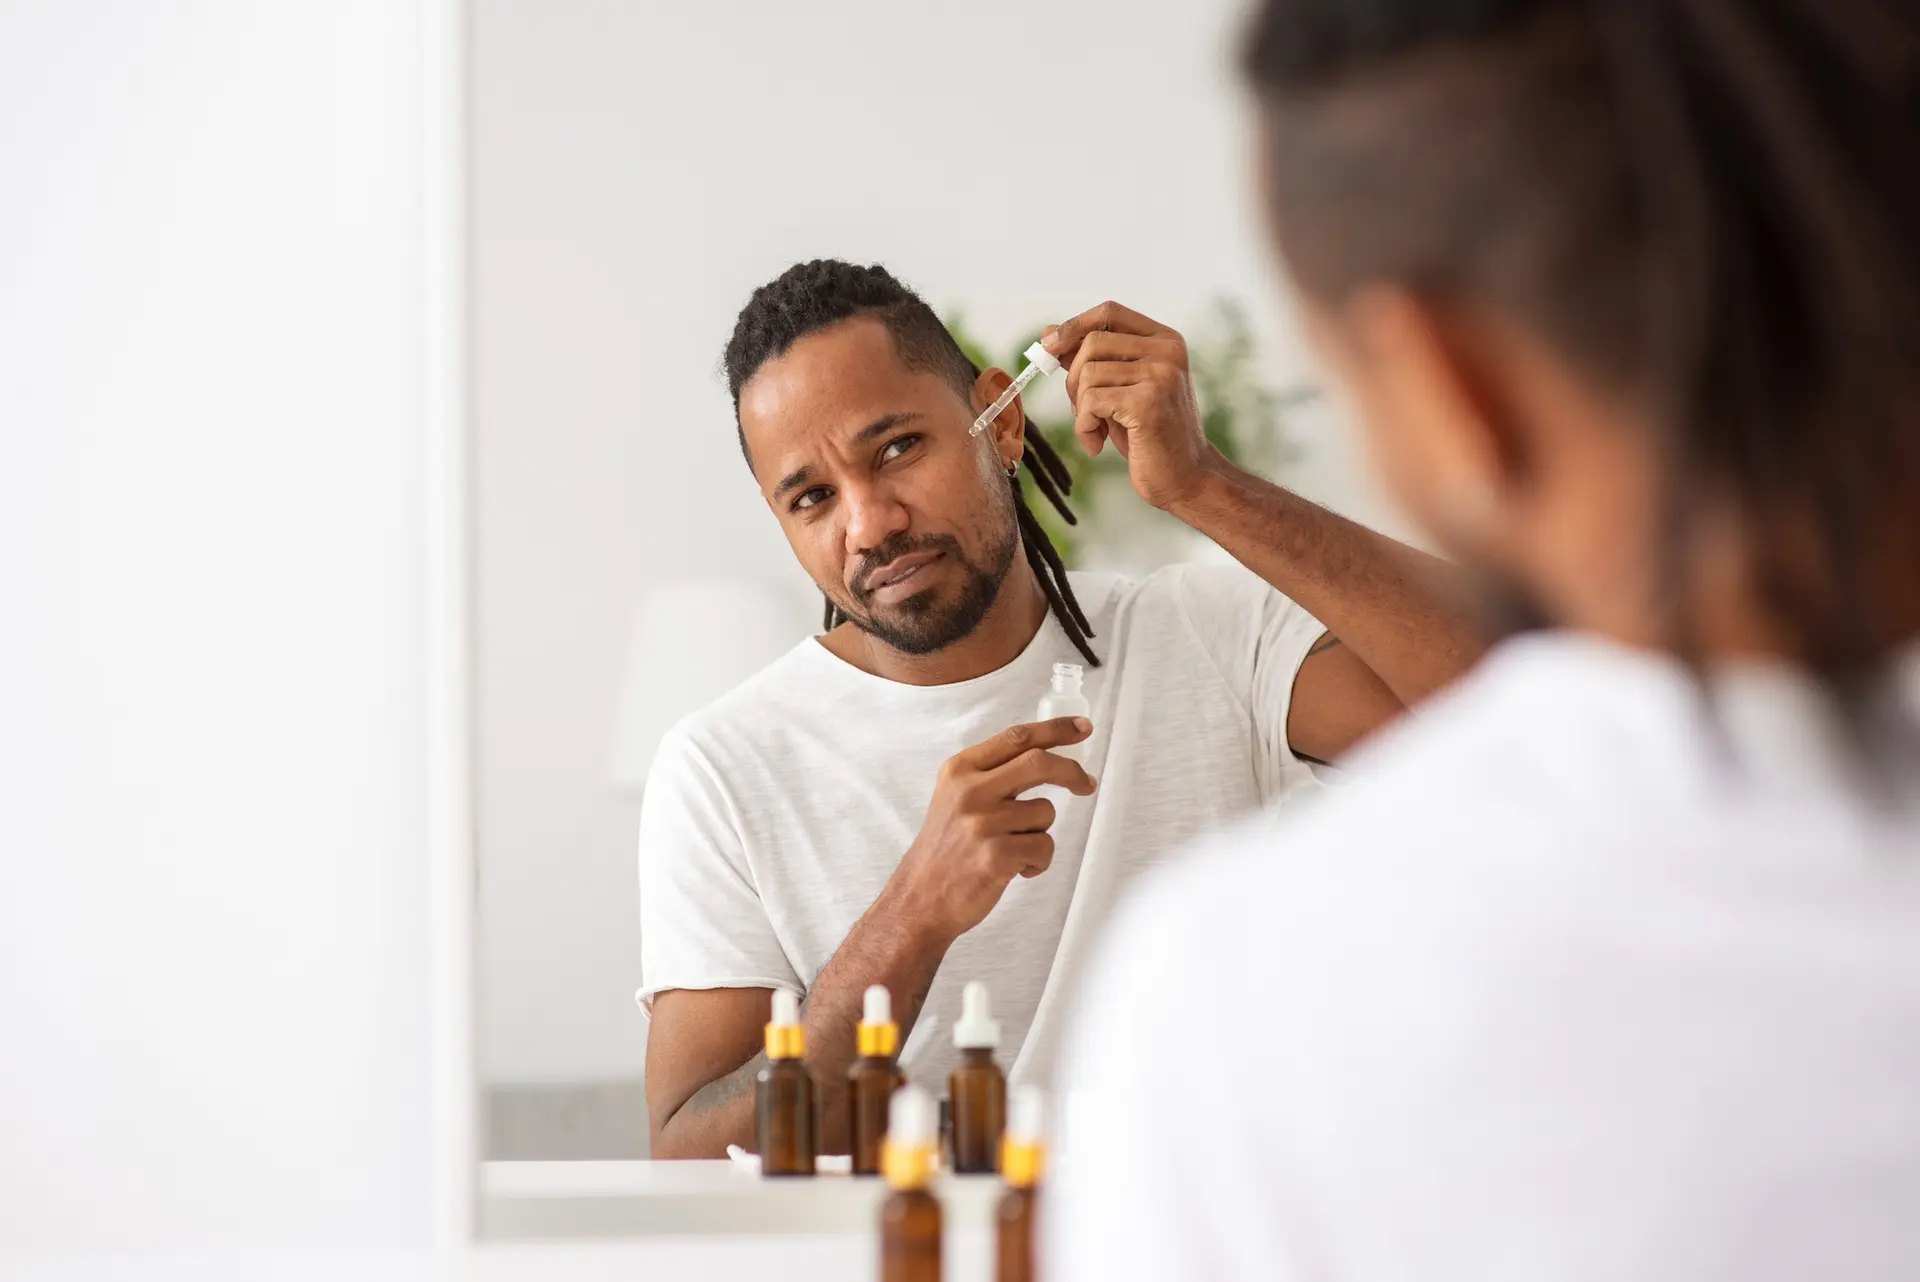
[1256, 638]
[702, 922]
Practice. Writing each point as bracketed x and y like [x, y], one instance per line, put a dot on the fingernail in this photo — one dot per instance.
[1083, 725]
[1050, 337]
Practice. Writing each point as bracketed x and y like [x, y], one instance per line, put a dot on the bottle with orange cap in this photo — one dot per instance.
[784, 1112]
[1022, 1160]
[910, 1222]
[873, 1079]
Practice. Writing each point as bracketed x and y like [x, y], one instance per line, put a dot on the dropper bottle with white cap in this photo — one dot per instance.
[784, 1118]
[1022, 1158]
[977, 1089]
[872, 1080]
[910, 1219]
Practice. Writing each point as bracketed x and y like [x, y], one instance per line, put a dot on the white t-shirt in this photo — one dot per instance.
[773, 818]
[1548, 990]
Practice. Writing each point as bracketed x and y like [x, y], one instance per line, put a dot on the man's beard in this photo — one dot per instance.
[919, 625]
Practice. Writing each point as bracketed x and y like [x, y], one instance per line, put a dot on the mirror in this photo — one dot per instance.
[636, 172]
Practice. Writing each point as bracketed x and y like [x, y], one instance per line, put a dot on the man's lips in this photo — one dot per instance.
[900, 571]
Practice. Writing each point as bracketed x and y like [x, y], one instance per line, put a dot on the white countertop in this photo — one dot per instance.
[547, 1201]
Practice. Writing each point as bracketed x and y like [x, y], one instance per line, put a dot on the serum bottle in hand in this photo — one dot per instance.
[873, 1079]
[1065, 699]
[784, 1116]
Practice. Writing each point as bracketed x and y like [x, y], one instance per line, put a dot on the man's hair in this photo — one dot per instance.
[1708, 207]
[815, 295]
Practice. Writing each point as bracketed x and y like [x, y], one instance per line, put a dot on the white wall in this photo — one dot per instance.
[638, 169]
[214, 1003]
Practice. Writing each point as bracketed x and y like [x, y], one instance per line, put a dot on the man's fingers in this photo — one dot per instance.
[1035, 815]
[1097, 417]
[1037, 766]
[1105, 347]
[1063, 340]
[1027, 853]
[990, 754]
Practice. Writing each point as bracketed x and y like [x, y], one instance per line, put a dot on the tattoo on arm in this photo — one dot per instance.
[1326, 642]
[725, 1089]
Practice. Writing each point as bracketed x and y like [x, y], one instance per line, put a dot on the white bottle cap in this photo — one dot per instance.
[910, 1119]
[977, 1029]
[1038, 355]
[1027, 1115]
[879, 1006]
[786, 1008]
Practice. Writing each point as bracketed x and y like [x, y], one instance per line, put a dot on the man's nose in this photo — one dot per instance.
[874, 515]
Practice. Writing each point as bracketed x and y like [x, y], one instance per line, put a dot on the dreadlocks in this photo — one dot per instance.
[813, 295]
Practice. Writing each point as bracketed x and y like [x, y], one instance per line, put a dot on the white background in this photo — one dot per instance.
[215, 930]
[637, 169]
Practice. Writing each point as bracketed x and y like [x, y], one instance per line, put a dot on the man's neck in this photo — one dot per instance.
[1010, 624]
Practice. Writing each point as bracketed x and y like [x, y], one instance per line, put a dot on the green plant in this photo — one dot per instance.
[1243, 417]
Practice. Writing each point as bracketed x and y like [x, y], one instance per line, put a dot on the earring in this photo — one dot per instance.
[1013, 471]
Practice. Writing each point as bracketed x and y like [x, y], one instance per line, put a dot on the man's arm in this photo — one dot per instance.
[1394, 612]
[1395, 632]
[706, 1045]
[977, 837]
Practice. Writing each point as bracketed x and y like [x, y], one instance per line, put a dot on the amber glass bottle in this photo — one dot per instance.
[910, 1217]
[872, 1080]
[1021, 1158]
[785, 1118]
[977, 1089]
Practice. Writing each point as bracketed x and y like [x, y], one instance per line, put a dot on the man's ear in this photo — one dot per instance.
[1009, 430]
[1443, 408]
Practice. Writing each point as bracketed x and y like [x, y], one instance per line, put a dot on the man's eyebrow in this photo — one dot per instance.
[796, 477]
[879, 427]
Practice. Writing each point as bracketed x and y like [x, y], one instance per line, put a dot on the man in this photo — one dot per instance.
[860, 812]
[1608, 967]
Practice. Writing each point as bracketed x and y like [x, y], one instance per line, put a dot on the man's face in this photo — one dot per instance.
[904, 521]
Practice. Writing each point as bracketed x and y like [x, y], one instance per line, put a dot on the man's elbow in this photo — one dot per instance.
[675, 1137]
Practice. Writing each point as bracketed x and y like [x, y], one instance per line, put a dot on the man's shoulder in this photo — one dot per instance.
[798, 683]
[1206, 598]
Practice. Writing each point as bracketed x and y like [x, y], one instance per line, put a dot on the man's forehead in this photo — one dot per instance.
[829, 384]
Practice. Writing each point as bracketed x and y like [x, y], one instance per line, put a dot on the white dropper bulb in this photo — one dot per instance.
[910, 1119]
[879, 1006]
[1038, 355]
[977, 1029]
[1027, 1115]
[786, 1008]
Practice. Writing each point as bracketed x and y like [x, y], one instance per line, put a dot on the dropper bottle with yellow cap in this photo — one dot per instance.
[873, 1079]
[1022, 1160]
[784, 1117]
[910, 1216]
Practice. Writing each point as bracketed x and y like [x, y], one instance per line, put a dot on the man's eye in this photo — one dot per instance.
[898, 446]
[818, 494]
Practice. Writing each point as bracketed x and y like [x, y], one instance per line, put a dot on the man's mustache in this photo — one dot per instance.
[892, 550]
